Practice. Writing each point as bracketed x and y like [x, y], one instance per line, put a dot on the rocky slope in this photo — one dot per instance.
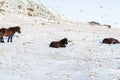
[28, 7]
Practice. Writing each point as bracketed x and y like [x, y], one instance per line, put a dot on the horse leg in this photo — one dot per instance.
[63, 45]
[2, 40]
[8, 38]
[11, 38]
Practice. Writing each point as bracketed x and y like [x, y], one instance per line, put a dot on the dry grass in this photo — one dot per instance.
[30, 14]
[30, 9]
[2, 3]
[2, 10]
[108, 26]
[19, 7]
[43, 24]
[58, 22]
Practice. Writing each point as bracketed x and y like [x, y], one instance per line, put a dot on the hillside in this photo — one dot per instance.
[34, 8]
[29, 57]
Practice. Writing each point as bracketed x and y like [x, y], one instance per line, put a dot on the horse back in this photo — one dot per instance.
[55, 44]
[8, 32]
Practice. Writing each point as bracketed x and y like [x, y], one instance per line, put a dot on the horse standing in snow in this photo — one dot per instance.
[110, 41]
[8, 32]
[57, 44]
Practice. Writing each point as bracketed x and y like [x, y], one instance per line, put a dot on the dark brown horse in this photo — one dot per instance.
[110, 41]
[9, 32]
[57, 44]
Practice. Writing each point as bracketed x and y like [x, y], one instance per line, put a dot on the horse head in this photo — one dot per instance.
[64, 41]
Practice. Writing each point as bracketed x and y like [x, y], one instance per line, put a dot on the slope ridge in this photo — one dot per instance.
[28, 7]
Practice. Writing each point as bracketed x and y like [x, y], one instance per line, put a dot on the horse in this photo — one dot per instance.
[110, 41]
[57, 44]
[9, 32]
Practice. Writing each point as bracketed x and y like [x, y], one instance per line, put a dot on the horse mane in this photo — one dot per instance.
[64, 41]
[15, 27]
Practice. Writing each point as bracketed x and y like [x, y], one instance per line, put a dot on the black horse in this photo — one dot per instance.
[57, 44]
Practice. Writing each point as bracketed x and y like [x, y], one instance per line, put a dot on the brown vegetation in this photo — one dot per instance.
[30, 9]
[43, 23]
[19, 7]
[109, 26]
[29, 14]
[94, 23]
[2, 10]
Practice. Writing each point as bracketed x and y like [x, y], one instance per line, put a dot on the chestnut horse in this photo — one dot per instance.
[110, 41]
[57, 44]
[9, 32]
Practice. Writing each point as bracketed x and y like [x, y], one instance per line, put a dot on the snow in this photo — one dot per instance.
[29, 8]
[29, 57]
[102, 11]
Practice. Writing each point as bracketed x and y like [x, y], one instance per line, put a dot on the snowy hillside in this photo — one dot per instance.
[29, 8]
[29, 57]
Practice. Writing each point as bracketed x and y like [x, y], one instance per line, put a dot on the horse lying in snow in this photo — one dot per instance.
[110, 41]
[57, 44]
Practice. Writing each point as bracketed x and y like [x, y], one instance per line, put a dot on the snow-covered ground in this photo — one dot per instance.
[102, 11]
[29, 57]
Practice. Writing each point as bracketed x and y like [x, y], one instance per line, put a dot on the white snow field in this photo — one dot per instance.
[28, 8]
[29, 56]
